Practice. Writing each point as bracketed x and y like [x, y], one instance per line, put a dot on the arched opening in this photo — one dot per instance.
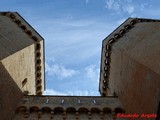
[45, 113]
[83, 113]
[95, 113]
[34, 112]
[107, 113]
[21, 109]
[58, 110]
[58, 113]
[71, 109]
[83, 109]
[70, 113]
[107, 110]
[34, 109]
[20, 112]
[46, 109]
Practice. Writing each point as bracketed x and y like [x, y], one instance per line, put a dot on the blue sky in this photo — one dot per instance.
[73, 31]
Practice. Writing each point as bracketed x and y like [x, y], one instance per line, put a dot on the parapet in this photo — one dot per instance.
[68, 107]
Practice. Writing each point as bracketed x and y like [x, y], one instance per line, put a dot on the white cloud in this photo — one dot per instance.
[120, 6]
[52, 92]
[112, 4]
[129, 9]
[145, 6]
[87, 1]
[109, 3]
[82, 93]
[92, 72]
[72, 40]
[71, 93]
[121, 21]
[59, 70]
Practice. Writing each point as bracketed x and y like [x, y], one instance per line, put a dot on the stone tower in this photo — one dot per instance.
[21, 62]
[130, 65]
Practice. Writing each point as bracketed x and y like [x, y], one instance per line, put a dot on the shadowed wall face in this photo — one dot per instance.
[10, 95]
[138, 90]
[133, 65]
[21, 52]
[21, 67]
[21, 62]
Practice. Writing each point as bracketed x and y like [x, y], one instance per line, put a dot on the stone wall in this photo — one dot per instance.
[68, 108]
[130, 65]
[22, 52]
[10, 95]
[21, 66]
[139, 89]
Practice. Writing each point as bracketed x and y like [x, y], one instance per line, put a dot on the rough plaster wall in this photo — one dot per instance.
[21, 65]
[10, 94]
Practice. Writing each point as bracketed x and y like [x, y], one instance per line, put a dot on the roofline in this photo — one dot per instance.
[65, 96]
[28, 24]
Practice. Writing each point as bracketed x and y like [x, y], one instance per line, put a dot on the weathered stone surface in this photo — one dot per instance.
[21, 53]
[69, 107]
[134, 66]
[21, 62]
[10, 94]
